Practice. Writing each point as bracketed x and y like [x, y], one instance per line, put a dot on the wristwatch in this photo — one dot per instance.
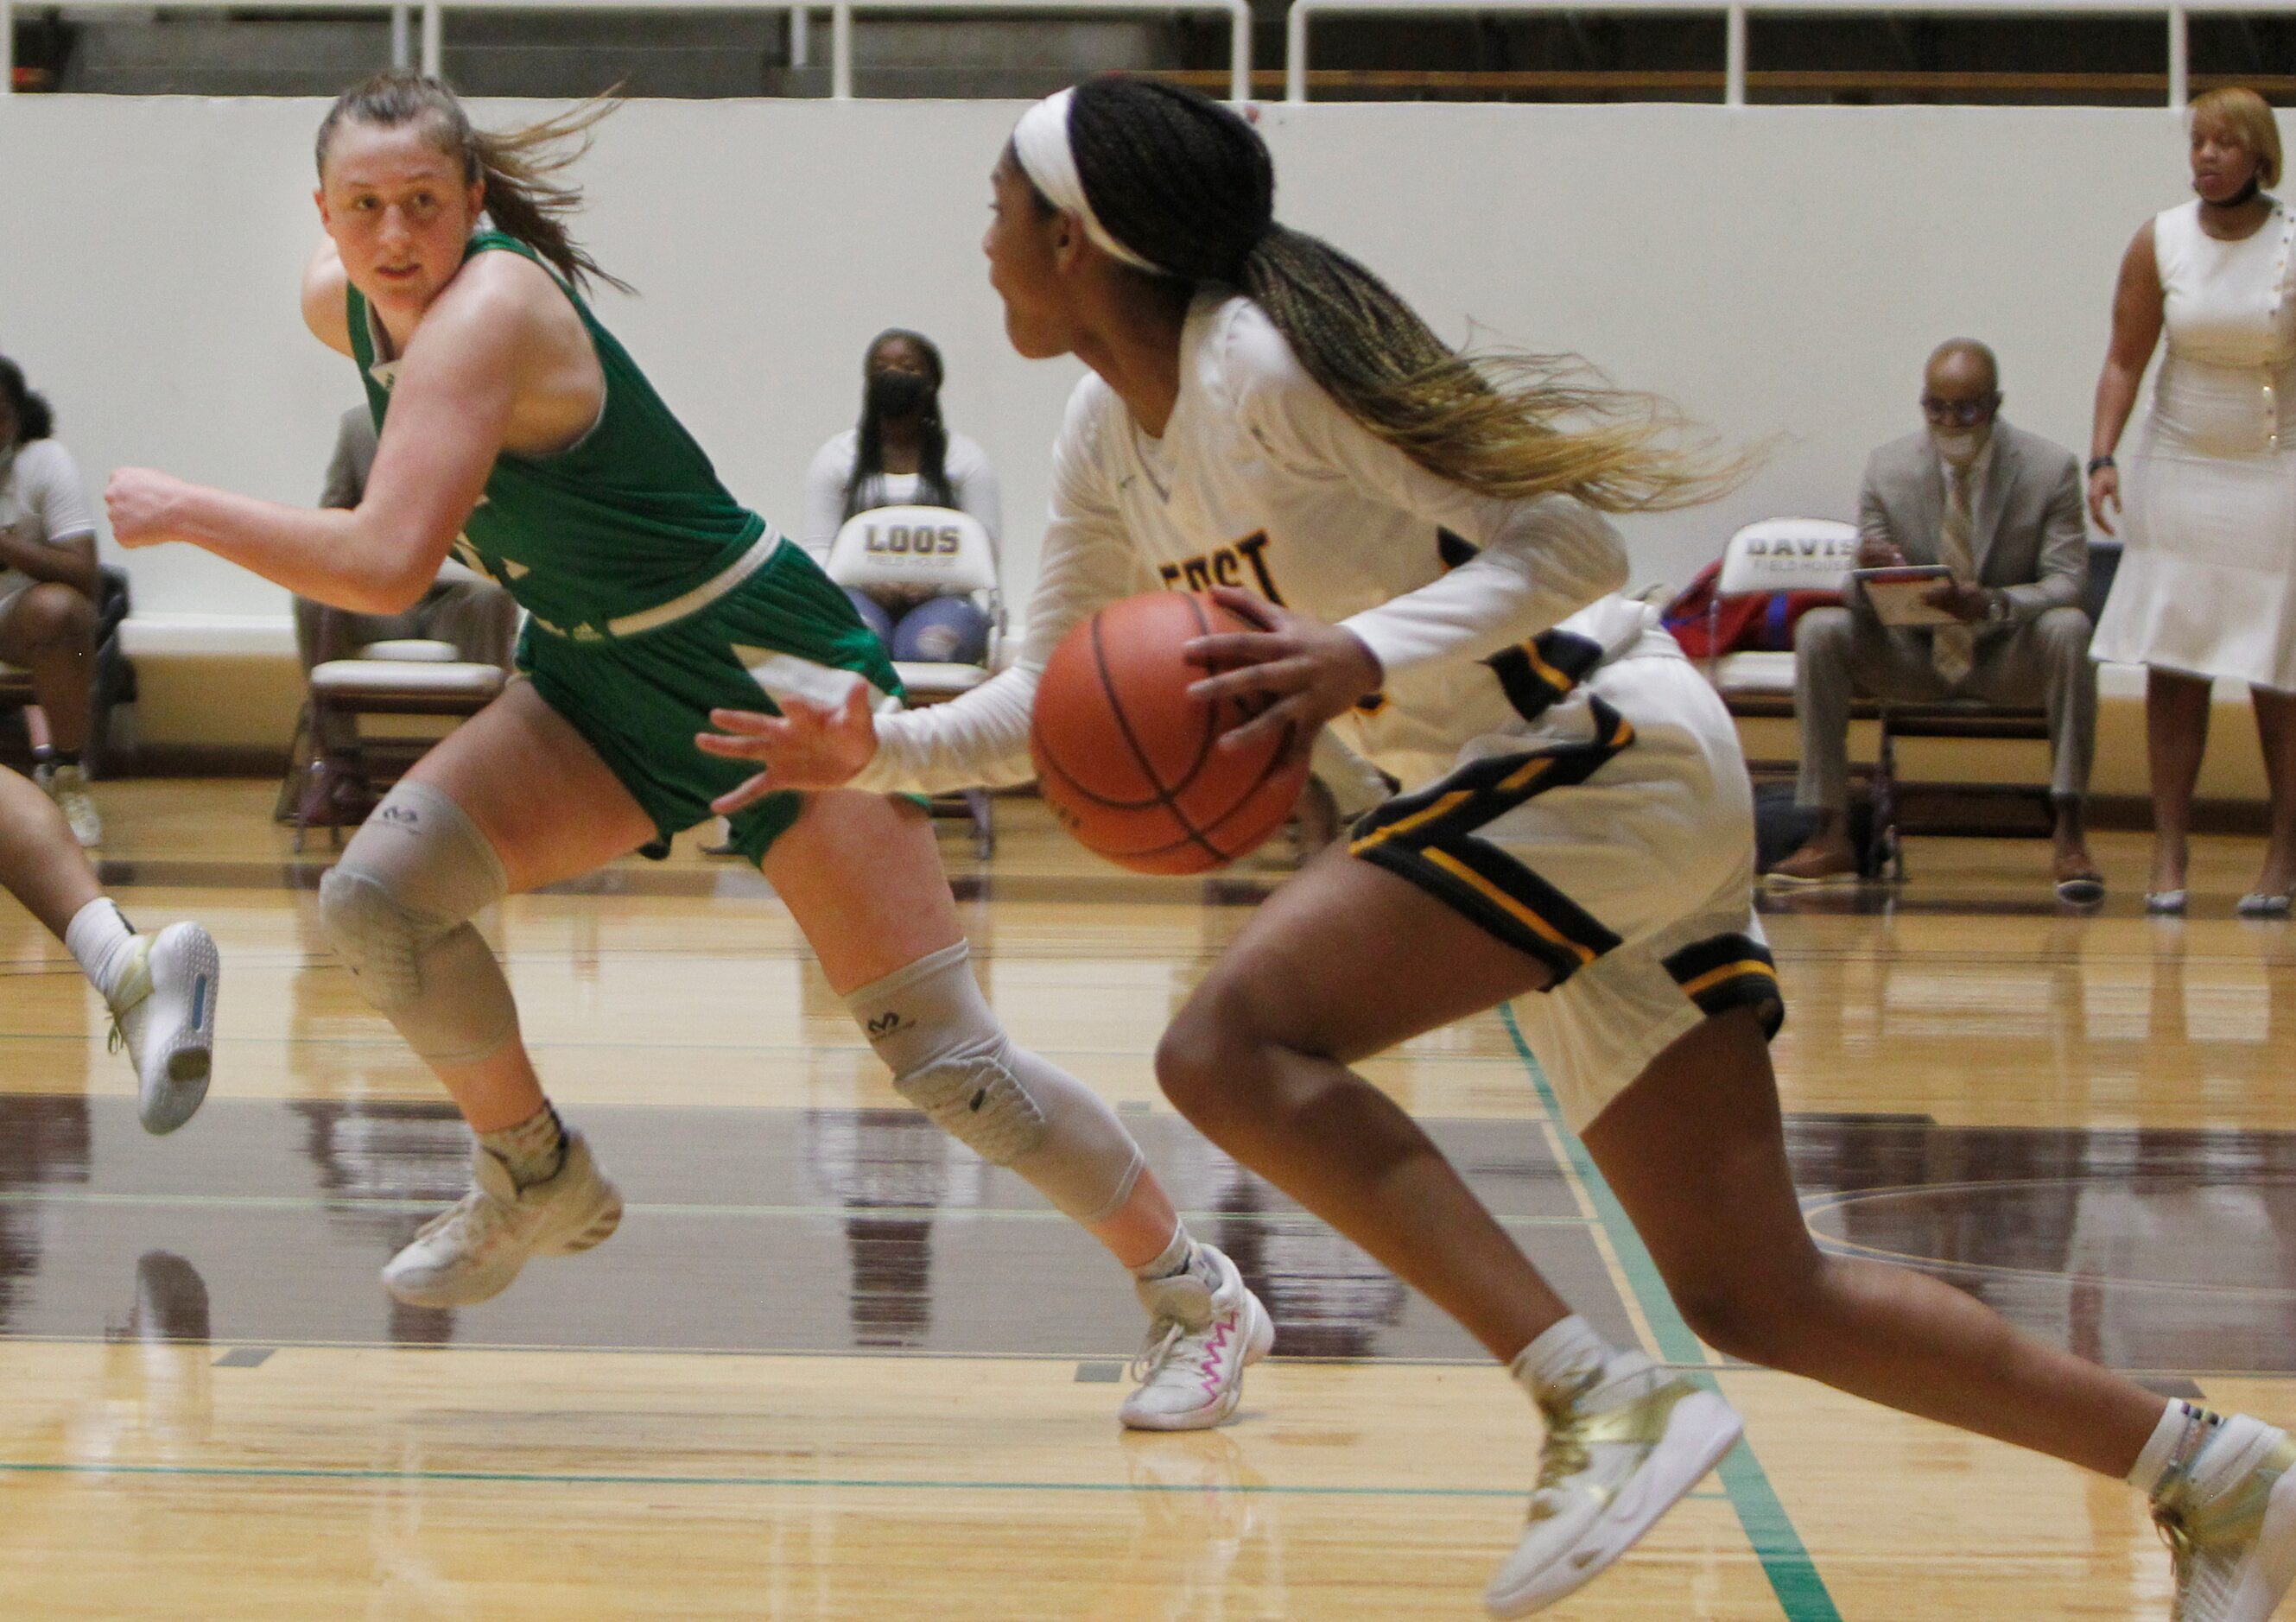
[1997, 605]
[2097, 465]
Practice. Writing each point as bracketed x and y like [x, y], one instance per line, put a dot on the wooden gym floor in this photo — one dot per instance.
[833, 1368]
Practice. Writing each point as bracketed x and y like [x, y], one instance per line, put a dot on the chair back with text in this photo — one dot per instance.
[1792, 562]
[934, 551]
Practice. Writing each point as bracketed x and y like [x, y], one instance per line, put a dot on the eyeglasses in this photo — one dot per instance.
[1969, 413]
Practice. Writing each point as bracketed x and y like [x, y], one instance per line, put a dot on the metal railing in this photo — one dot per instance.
[432, 16]
[1736, 11]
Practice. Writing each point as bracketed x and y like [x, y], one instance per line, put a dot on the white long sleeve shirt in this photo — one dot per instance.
[972, 481]
[1261, 480]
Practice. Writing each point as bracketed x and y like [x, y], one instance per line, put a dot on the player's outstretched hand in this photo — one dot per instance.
[807, 746]
[1303, 671]
[142, 503]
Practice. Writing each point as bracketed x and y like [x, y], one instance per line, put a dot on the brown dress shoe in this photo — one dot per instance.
[1814, 864]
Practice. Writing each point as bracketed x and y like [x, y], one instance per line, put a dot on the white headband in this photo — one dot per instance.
[1040, 141]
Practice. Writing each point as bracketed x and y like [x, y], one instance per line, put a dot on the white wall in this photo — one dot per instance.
[1779, 271]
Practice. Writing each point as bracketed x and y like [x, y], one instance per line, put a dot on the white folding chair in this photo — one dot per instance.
[1776, 554]
[407, 678]
[933, 552]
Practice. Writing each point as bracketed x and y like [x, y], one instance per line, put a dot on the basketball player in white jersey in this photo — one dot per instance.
[1574, 832]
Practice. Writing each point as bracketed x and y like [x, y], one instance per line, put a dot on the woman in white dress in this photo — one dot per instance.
[2207, 586]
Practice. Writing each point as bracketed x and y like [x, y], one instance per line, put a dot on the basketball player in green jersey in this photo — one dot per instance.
[516, 431]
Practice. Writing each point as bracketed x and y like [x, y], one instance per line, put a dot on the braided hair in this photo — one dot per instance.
[1188, 185]
[520, 168]
[34, 419]
[933, 488]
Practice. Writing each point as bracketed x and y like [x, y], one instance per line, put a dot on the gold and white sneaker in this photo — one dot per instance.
[1203, 1334]
[67, 786]
[1622, 1449]
[471, 1251]
[163, 1010]
[2233, 1552]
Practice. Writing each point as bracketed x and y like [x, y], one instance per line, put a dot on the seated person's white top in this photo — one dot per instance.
[971, 479]
[41, 500]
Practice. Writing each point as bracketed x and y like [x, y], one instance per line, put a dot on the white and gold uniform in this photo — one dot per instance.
[1570, 782]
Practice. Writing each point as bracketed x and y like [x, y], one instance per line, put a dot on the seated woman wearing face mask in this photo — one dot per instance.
[902, 455]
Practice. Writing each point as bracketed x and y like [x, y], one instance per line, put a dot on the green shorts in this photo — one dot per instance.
[638, 700]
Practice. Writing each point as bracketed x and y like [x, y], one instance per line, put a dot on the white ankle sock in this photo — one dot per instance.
[2210, 1451]
[99, 938]
[1174, 1258]
[2160, 1451]
[1563, 1358]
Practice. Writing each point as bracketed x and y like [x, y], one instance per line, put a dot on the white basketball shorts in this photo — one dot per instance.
[1614, 844]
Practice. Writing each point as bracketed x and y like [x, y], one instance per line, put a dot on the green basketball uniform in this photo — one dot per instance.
[652, 595]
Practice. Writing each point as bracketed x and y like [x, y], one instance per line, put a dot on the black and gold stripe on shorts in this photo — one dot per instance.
[1731, 972]
[1433, 838]
[1540, 673]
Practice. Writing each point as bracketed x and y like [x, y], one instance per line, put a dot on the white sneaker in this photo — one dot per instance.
[471, 1251]
[2235, 1554]
[1619, 1451]
[163, 1012]
[1201, 1337]
[67, 786]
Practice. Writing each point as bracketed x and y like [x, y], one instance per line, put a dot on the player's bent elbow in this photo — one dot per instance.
[393, 592]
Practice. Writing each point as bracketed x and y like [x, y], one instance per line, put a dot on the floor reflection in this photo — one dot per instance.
[1328, 1298]
[158, 1396]
[375, 1160]
[1205, 1546]
[892, 1170]
[2139, 1248]
[43, 1144]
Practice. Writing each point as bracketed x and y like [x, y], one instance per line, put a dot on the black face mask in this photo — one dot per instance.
[899, 394]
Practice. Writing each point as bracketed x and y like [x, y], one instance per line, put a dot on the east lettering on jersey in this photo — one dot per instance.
[1244, 565]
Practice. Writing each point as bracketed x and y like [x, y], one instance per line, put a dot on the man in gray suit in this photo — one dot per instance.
[2002, 508]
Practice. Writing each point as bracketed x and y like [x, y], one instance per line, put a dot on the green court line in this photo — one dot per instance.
[543, 1045]
[300, 1203]
[1793, 1576]
[518, 1477]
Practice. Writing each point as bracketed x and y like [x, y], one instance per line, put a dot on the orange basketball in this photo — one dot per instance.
[1130, 764]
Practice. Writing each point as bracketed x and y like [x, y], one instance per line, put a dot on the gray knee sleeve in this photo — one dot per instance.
[950, 1058]
[397, 907]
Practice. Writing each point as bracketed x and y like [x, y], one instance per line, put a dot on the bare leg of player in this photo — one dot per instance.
[1695, 1148]
[513, 799]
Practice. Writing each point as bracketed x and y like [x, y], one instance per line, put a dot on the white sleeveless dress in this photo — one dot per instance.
[2208, 579]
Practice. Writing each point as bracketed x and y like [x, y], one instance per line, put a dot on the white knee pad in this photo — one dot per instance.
[951, 1059]
[978, 1101]
[397, 907]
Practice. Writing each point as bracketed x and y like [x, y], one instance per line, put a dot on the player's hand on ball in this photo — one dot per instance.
[143, 504]
[807, 746]
[1304, 671]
